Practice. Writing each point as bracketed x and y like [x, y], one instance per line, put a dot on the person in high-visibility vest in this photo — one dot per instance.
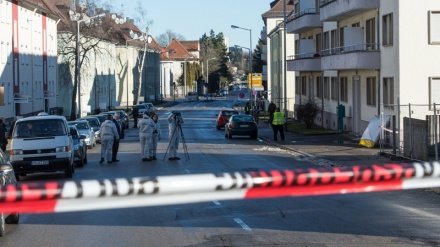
[278, 124]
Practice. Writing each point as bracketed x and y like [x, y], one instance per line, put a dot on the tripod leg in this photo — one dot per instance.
[169, 144]
[185, 148]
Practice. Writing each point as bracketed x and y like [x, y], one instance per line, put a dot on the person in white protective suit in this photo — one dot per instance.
[108, 133]
[175, 120]
[156, 136]
[146, 127]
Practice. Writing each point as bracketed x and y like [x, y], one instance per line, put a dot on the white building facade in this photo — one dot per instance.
[363, 54]
[28, 64]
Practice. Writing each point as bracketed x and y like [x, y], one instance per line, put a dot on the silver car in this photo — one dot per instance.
[84, 128]
[7, 177]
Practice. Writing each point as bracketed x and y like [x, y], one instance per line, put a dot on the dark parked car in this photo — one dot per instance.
[79, 146]
[241, 125]
[124, 120]
[95, 123]
[223, 117]
[101, 118]
[7, 177]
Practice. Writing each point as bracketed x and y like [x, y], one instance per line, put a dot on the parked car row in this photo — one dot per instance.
[144, 107]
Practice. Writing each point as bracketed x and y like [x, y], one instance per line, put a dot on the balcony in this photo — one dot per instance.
[359, 56]
[336, 10]
[304, 62]
[303, 21]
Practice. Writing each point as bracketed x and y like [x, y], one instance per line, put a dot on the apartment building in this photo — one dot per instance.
[363, 54]
[28, 67]
[272, 37]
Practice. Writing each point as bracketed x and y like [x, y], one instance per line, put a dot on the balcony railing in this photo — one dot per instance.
[351, 48]
[308, 11]
[325, 2]
[304, 56]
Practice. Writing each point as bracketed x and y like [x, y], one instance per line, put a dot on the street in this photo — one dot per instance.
[401, 218]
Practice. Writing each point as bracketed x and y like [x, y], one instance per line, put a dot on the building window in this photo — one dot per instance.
[434, 92]
[434, 27]
[341, 37]
[387, 30]
[318, 43]
[319, 87]
[335, 86]
[388, 91]
[333, 41]
[343, 89]
[326, 88]
[370, 34]
[304, 85]
[297, 85]
[371, 91]
[326, 40]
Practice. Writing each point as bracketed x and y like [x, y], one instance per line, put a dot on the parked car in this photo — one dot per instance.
[149, 105]
[192, 96]
[41, 144]
[7, 177]
[101, 119]
[141, 109]
[79, 146]
[84, 129]
[242, 125]
[123, 117]
[95, 123]
[223, 117]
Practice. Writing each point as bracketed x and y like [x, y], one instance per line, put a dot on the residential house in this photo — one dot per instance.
[173, 61]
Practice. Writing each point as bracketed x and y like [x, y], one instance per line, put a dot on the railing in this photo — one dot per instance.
[351, 48]
[308, 11]
[325, 2]
[304, 55]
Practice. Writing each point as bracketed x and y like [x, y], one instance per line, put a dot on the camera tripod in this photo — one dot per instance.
[185, 148]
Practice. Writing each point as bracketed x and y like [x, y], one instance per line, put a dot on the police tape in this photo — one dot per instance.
[180, 189]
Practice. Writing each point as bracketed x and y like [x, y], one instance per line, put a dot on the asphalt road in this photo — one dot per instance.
[402, 218]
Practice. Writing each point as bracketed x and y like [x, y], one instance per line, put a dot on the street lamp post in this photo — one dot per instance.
[207, 70]
[184, 76]
[250, 54]
[80, 18]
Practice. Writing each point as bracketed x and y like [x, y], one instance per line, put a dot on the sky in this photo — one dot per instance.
[193, 18]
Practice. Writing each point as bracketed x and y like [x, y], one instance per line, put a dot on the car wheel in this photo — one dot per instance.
[2, 225]
[81, 162]
[12, 219]
[69, 171]
[85, 158]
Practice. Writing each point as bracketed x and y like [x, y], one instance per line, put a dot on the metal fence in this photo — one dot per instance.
[410, 131]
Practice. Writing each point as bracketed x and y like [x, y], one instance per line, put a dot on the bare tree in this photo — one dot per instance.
[165, 39]
[93, 31]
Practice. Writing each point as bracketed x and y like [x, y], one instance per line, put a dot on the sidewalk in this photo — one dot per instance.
[330, 150]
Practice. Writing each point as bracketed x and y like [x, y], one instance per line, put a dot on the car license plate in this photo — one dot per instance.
[40, 162]
[244, 125]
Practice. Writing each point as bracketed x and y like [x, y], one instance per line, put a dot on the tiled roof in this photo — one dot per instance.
[277, 9]
[177, 51]
[191, 45]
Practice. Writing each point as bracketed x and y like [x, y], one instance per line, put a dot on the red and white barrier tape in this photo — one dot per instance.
[166, 190]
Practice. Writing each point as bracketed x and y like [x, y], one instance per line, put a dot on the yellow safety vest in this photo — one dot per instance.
[278, 118]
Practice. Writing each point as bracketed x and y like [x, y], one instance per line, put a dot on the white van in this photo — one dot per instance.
[41, 144]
